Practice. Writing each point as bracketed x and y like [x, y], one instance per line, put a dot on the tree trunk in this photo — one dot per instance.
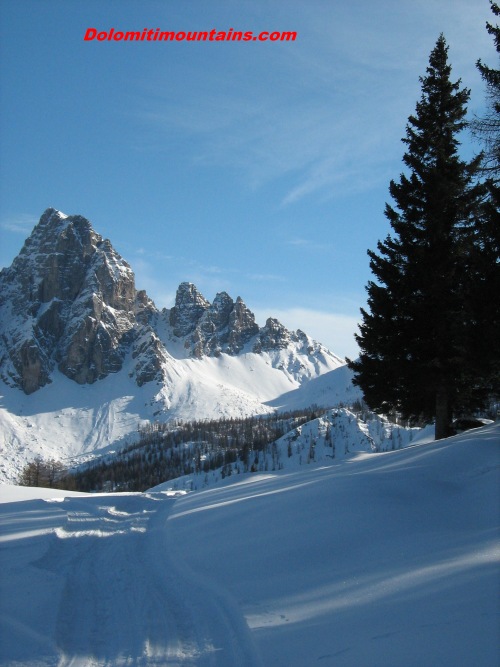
[443, 414]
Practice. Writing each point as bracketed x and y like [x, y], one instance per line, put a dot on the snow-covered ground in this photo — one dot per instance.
[336, 434]
[378, 560]
[64, 420]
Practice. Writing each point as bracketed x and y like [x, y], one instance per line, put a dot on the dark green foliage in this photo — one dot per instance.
[485, 265]
[416, 337]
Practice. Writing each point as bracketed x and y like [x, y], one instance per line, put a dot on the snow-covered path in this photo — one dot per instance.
[111, 594]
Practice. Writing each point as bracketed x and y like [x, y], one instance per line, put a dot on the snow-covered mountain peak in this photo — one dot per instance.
[190, 305]
[69, 309]
[210, 329]
[67, 301]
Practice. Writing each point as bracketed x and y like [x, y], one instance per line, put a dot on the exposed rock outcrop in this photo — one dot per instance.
[69, 300]
[189, 307]
[211, 328]
[272, 336]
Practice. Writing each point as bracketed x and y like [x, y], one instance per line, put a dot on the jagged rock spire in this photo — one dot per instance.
[189, 307]
[68, 300]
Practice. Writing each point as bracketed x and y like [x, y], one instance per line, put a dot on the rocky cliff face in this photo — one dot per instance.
[228, 327]
[189, 307]
[69, 302]
[210, 329]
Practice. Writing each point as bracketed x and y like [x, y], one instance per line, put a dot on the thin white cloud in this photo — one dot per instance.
[329, 110]
[19, 224]
[309, 245]
[266, 277]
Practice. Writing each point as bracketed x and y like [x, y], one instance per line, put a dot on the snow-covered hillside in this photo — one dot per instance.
[381, 559]
[85, 356]
[335, 435]
[64, 420]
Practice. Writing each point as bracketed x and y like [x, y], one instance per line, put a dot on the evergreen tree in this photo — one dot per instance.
[487, 128]
[485, 296]
[42, 473]
[414, 339]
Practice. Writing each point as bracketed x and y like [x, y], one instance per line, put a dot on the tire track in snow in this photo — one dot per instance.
[222, 636]
[126, 602]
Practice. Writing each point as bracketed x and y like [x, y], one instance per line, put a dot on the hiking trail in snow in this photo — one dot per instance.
[119, 597]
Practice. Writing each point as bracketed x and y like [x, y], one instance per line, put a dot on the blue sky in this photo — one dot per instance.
[258, 168]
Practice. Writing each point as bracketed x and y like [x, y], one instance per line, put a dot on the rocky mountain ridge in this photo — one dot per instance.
[226, 326]
[69, 301]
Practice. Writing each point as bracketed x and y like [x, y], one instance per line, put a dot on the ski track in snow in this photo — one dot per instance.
[123, 601]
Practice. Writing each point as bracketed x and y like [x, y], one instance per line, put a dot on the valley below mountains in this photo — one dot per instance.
[86, 358]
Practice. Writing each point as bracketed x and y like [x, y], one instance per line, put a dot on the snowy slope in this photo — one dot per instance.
[335, 435]
[331, 388]
[382, 559]
[64, 420]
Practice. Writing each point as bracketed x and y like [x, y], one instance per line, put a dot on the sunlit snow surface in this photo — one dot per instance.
[64, 420]
[387, 559]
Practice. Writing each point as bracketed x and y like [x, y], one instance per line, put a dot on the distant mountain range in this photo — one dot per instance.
[85, 356]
